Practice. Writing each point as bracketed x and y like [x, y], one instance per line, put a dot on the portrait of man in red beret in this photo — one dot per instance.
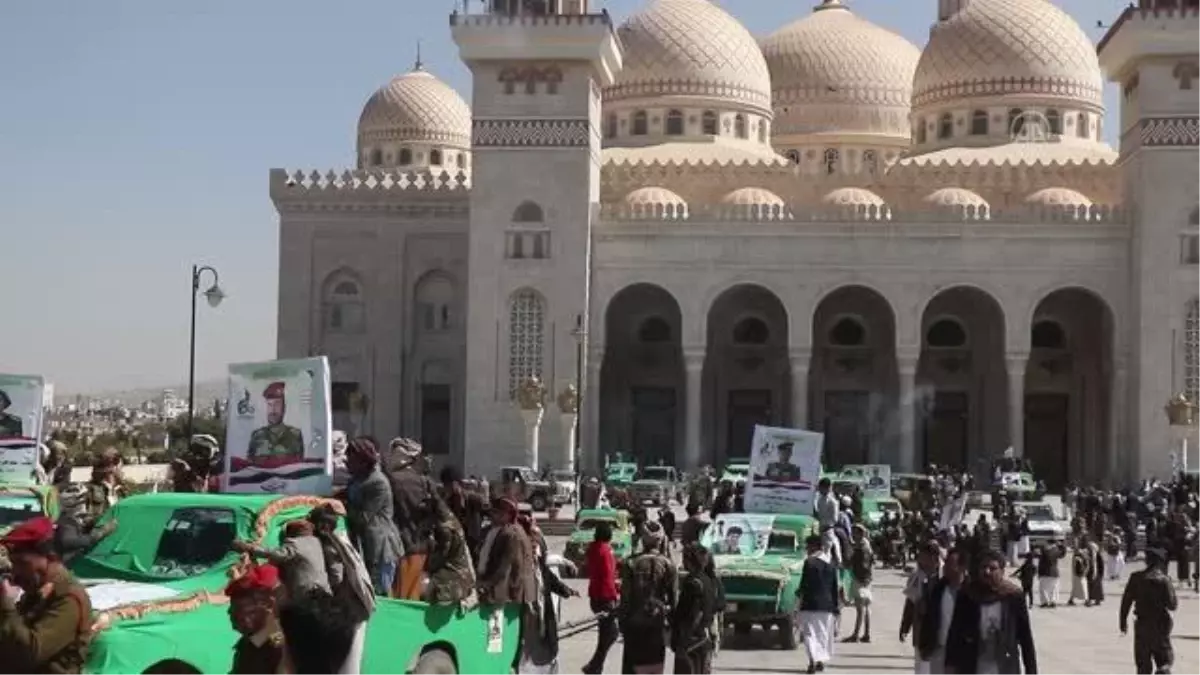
[277, 443]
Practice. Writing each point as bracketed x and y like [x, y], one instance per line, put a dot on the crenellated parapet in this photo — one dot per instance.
[427, 192]
[1030, 214]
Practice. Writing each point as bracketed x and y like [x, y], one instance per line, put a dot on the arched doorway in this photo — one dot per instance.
[641, 376]
[962, 381]
[747, 376]
[852, 379]
[1067, 388]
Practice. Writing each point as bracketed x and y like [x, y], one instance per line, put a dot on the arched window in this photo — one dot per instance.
[376, 157]
[945, 126]
[1186, 73]
[610, 126]
[751, 331]
[708, 123]
[526, 337]
[1016, 121]
[641, 126]
[848, 332]
[946, 333]
[979, 123]
[832, 160]
[435, 157]
[762, 131]
[654, 330]
[462, 160]
[870, 162]
[921, 137]
[793, 156]
[343, 309]
[1081, 128]
[1191, 351]
[1054, 120]
[405, 157]
[1047, 335]
[674, 122]
[528, 212]
[739, 126]
[435, 302]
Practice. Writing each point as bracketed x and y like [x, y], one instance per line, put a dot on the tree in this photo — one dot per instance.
[177, 430]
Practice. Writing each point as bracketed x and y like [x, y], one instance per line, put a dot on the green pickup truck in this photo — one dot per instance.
[585, 528]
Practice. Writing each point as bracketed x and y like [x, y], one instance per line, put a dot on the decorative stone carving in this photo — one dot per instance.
[501, 133]
[568, 400]
[1170, 131]
[531, 395]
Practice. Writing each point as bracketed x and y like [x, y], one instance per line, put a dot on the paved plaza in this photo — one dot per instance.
[1069, 639]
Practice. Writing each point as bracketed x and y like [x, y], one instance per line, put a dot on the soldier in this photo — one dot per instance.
[783, 470]
[194, 473]
[451, 576]
[1152, 596]
[277, 442]
[647, 602]
[104, 489]
[47, 631]
[10, 425]
[252, 611]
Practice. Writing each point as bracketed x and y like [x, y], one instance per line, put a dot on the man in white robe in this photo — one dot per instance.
[820, 604]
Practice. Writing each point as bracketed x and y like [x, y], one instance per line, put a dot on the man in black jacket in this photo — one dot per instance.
[990, 630]
[819, 604]
[940, 603]
[1151, 595]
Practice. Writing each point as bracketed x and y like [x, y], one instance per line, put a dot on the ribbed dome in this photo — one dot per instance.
[1058, 196]
[955, 197]
[653, 195]
[752, 196]
[690, 48]
[1006, 48]
[832, 71]
[852, 196]
[416, 106]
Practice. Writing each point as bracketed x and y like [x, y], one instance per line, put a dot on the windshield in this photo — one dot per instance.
[14, 510]
[617, 471]
[657, 473]
[591, 523]
[194, 540]
[1039, 512]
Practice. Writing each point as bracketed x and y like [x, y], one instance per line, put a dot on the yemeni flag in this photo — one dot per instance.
[265, 469]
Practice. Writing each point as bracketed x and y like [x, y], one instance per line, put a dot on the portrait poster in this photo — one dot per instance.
[278, 435]
[785, 465]
[19, 462]
[876, 479]
[21, 406]
[738, 534]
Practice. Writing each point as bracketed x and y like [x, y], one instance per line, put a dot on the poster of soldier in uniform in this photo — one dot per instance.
[785, 465]
[876, 478]
[279, 428]
[21, 406]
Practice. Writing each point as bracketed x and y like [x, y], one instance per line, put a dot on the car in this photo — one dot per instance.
[156, 586]
[655, 484]
[760, 570]
[874, 509]
[527, 487]
[736, 470]
[619, 474]
[1045, 526]
[565, 483]
[1019, 487]
[18, 504]
[906, 485]
[575, 550]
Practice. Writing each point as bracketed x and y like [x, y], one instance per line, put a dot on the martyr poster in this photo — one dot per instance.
[279, 428]
[785, 465]
[21, 406]
[876, 478]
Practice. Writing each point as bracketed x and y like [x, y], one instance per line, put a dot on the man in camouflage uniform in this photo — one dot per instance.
[451, 575]
[104, 488]
[1152, 596]
[10, 424]
[277, 442]
[648, 595]
[48, 630]
[193, 473]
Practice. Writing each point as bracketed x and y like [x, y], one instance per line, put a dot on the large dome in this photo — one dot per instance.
[690, 48]
[416, 107]
[832, 71]
[995, 48]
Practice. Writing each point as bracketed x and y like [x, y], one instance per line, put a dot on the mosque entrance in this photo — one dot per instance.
[747, 408]
[654, 424]
[847, 428]
[1046, 436]
[945, 429]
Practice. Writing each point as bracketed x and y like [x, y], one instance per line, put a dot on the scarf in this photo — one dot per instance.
[485, 551]
[356, 578]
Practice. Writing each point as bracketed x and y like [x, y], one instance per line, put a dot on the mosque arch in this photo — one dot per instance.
[641, 375]
[343, 303]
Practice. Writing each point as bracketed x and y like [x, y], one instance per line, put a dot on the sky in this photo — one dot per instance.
[135, 141]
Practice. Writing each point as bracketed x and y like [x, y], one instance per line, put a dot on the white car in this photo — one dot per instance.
[1044, 523]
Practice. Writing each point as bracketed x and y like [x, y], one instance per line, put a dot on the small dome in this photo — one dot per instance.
[752, 196]
[650, 196]
[994, 48]
[852, 196]
[955, 197]
[1058, 196]
[690, 48]
[832, 71]
[416, 106]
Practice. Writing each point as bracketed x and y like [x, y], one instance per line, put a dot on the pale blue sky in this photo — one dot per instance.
[135, 139]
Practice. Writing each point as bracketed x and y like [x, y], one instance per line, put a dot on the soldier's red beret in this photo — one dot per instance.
[29, 534]
[255, 578]
[273, 390]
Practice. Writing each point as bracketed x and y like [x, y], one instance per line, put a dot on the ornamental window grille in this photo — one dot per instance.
[979, 123]
[675, 123]
[870, 161]
[435, 157]
[406, 157]
[1016, 121]
[708, 123]
[1054, 119]
[832, 159]
[1191, 350]
[945, 126]
[739, 126]
[526, 338]
[641, 125]
[344, 309]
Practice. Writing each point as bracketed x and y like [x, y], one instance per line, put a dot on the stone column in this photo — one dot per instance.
[907, 413]
[568, 407]
[693, 364]
[1016, 401]
[1118, 473]
[800, 361]
[531, 397]
[589, 447]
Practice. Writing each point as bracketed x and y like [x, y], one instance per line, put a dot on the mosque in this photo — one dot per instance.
[929, 255]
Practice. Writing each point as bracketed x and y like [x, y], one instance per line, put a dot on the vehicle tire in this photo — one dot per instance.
[171, 667]
[789, 632]
[435, 662]
[537, 502]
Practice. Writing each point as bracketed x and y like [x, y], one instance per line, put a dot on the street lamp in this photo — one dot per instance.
[214, 295]
[580, 335]
[1182, 416]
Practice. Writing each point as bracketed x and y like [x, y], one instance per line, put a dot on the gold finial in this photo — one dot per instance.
[531, 395]
[568, 400]
[419, 64]
[829, 4]
[1181, 411]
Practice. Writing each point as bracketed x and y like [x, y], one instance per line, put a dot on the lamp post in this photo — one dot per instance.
[214, 295]
[580, 335]
[1182, 416]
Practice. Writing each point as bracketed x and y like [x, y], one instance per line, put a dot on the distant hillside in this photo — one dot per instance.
[205, 393]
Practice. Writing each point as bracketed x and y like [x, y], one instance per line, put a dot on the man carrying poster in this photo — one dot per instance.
[276, 440]
[10, 424]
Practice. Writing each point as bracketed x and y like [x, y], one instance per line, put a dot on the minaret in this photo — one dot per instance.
[538, 67]
[1151, 51]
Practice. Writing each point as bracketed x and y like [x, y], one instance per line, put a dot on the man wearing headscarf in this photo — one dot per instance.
[648, 596]
[193, 472]
[1151, 595]
[505, 567]
[48, 629]
[691, 638]
[254, 614]
[74, 532]
[413, 495]
[369, 514]
[104, 489]
[820, 604]
[349, 581]
[299, 558]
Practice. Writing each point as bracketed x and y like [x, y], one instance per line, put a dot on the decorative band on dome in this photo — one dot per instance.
[872, 94]
[637, 90]
[414, 134]
[999, 86]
